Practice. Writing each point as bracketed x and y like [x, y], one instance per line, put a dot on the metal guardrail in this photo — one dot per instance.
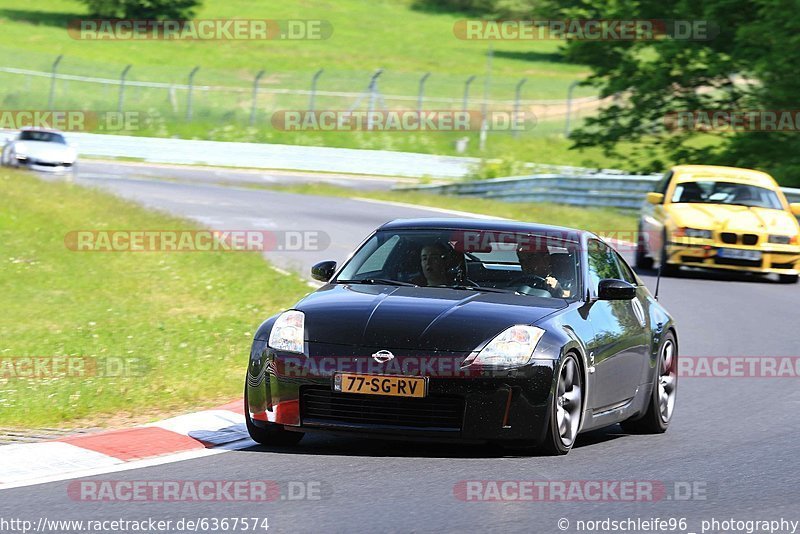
[602, 190]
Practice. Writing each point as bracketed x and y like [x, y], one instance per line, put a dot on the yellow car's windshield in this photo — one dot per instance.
[715, 192]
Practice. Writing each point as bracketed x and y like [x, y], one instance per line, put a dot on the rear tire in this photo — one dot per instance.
[273, 435]
[566, 408]
[661, 406]
[788, 278]
[642, 260]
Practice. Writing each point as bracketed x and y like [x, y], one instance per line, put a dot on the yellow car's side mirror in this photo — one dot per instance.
[658, 198]
[795, 208]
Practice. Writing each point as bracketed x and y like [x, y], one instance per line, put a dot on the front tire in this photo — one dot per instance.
[642, 260]
[273, 435]
[788, 278]
[665, 389]
[566, 408]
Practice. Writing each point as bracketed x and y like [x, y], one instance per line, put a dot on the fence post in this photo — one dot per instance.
[51, 99]
[312, 98]
[572, 87]
[421, 92]
[517, 92]
[373, 95]
[189, 94]
[254, 105]
[122, 88]
[466, 92]
[485, 104]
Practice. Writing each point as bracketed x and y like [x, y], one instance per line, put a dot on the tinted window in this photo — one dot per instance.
[602, 263]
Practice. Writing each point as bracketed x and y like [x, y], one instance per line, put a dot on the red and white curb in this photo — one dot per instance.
[178, 438]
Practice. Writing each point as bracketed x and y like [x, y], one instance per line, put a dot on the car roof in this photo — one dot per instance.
[37, 129]
[488, 225]
[688, 173]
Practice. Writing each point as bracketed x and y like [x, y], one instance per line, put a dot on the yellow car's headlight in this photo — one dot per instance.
[783, 239]
[695, 233]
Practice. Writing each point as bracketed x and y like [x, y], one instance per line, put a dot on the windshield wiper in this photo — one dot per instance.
[480, 288]
[375, 281]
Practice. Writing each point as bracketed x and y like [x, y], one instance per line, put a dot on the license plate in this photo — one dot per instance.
[393, 386]
[739, 254]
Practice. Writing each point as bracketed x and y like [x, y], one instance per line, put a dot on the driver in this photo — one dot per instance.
[436, 261]
[537, 264]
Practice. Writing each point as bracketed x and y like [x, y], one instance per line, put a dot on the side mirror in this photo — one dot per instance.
[611, 289]
[655, 198]
[795, 208]
[323, 271]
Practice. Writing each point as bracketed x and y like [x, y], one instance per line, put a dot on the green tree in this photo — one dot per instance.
[745, 64]
[143, 9]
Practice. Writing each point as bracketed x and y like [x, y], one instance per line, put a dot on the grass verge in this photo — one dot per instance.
[184, 321]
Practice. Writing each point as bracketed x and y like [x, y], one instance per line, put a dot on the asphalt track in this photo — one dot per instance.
[735, 439]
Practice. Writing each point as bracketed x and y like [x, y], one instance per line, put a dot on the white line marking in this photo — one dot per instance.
[430, 208]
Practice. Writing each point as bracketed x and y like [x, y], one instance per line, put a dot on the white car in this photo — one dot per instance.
[41, 150]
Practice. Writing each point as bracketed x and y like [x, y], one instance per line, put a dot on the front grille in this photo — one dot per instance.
[750, 239]
[321, 405]
[738, 263]
[728, 238]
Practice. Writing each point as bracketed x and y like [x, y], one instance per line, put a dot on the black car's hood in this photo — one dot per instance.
[436, 319]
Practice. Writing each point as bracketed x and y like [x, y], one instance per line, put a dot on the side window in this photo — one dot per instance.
[378, 258]
[602, 264]
[625, 270]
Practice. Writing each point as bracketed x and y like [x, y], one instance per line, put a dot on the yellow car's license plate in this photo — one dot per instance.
[394, 386]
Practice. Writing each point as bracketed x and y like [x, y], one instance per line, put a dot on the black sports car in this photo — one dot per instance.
[474, 331]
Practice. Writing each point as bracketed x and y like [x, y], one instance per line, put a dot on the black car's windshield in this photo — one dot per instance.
[501, 262]
[719, 192]
[46, 137]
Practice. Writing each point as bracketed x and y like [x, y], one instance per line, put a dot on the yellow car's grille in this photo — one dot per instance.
[731, 238]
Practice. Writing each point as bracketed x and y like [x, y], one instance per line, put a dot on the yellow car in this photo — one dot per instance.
[719, 218]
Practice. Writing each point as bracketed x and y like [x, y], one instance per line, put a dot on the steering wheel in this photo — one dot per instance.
[532, 280]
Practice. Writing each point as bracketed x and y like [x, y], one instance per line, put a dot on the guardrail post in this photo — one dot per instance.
[254, 105]
[189, 94]
[313, 97]
[421, 91]
[51, 99]
[571, 88]
[466, 92]
[122, 88]
[517, 92]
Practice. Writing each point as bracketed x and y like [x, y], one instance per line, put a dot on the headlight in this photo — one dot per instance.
[693, 233]
[782, 239]
[287, 332]
[512, 348]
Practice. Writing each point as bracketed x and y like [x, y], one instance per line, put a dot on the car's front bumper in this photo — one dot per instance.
[295, 391]
[45, 166]
[775, 260]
